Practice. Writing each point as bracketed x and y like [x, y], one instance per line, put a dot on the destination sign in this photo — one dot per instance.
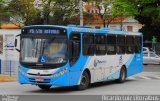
[43, 31]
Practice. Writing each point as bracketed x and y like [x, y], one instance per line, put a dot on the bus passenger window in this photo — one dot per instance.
[111, 44]
[88, 44]
[74, 48]
[138, 43]
[130, 48]
[100, 44]
[120, 44]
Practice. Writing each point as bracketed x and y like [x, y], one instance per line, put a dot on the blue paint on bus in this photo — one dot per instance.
[63, 72]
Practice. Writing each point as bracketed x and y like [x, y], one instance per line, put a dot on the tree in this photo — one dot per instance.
[63, 11]
[124, 8]
[46, 10]
[3, 12]
[147, 12]
[59, 12]
[105, 11]
[149, 16]
[24, 9]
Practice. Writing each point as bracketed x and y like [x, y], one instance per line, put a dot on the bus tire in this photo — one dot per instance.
[44, 87]
[84, 83]
[122, 76]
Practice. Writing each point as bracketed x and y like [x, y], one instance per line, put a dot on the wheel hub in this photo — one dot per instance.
[83, 82]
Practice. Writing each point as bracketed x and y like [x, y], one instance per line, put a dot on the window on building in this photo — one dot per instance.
[130, 48]
[97, 11]
[100, 44]
[88, 44]
[97, 27]
[88, 11]
[120, 44]
[111, 44]
[92, 11]
[130, 28]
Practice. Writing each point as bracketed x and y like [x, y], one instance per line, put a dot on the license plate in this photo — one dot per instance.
[39, 79]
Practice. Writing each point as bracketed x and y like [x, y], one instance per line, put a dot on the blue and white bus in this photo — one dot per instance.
[77, 56]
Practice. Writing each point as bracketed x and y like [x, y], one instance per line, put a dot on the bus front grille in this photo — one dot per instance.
[39, 74]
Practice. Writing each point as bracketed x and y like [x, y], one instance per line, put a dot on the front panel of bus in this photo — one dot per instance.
[43, 56]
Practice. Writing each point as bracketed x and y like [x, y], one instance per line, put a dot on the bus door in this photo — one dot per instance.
[74, 57]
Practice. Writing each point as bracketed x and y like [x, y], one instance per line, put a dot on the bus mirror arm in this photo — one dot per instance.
[18, 50]
[18, 35]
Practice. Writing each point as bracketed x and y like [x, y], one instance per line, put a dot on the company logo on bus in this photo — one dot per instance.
[96, 62]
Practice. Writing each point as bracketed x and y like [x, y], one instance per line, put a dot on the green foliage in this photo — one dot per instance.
[146, 12]
[62, 11]
[105, 11]
[149, 16]
[124, 7]
[153, 13]
[59, 12]
[24, 9]
[51, 12]
[3, 11]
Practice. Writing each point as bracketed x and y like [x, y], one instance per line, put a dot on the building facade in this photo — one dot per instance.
[127, 23]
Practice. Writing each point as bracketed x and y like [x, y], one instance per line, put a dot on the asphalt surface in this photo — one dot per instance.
[145, 83]
[151, 68]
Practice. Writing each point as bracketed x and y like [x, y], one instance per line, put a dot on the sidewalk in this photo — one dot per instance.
[7, 78]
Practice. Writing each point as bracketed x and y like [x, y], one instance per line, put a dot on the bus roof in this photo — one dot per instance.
[86, 29]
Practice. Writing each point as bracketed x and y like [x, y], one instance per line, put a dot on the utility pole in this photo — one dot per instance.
[81, 12]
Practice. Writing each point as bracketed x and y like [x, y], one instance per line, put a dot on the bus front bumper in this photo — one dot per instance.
[61, 80]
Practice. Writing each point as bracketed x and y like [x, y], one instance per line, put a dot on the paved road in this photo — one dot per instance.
[145, 83]
[152, 68]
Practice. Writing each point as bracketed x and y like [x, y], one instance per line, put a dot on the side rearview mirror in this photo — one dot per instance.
[15, 42]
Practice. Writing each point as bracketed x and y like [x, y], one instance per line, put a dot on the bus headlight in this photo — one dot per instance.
[23, 73]
[59, 73]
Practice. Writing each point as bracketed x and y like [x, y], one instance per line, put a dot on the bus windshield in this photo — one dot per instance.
[52, 50]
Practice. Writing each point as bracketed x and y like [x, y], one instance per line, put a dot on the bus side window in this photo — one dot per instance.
[88, 44]
[130, 48]
[75, 47]
[120, 44]
[138, 43]
[111, 44]
[100, 44]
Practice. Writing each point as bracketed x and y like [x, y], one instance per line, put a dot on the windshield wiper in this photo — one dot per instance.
[36, 48]
[43, 46]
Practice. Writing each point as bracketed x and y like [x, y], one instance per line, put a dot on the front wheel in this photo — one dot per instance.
[44, 87]
[84, 83]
